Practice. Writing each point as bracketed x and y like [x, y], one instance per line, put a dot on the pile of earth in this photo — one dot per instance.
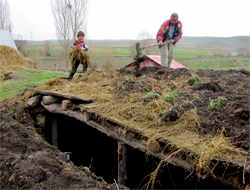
[29, 162]
[220, 98]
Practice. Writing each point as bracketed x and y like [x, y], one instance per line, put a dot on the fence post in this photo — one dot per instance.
[122, 163]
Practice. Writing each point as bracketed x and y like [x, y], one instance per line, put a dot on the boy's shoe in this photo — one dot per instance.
[70, 77]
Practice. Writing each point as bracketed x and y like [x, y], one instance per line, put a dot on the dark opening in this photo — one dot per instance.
[97, 151]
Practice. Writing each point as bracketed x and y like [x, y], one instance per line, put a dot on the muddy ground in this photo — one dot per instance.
[29, 162]
[221, 99]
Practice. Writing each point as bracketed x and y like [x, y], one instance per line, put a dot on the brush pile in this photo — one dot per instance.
[11, 60]
[76, 54]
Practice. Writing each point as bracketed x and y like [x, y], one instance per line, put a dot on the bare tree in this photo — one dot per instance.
[146, 39]
[21, 46]
[78, 15]
[69, 17]
[143, 35]
[5, 22]
[61, 14]
[47, 48]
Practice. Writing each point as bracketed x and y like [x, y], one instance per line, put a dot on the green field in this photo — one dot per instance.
[193, 52]
[24, 79]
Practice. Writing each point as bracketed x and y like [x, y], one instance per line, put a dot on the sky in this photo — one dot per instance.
[125, 19]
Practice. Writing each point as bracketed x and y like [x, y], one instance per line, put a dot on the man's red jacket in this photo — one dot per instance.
[162, 34]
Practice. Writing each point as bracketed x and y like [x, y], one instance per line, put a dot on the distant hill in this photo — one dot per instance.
[185, 42]
[236, 41]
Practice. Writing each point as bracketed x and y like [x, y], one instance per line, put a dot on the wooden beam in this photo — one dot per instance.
[54, 132]
[122, 163]
[137, 144]
[33, 101]
[65, 96]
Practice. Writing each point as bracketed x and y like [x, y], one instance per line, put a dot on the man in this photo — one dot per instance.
[170, 30]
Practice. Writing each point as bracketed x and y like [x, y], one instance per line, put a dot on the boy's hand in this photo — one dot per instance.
[82, 48]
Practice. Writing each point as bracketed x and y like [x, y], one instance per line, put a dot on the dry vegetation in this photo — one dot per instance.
[12, 60]
[76, 54]
[138, 103]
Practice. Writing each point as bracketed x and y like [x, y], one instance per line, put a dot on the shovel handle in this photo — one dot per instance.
[153, 45]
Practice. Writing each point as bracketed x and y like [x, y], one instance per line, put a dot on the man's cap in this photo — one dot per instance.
[80, 33]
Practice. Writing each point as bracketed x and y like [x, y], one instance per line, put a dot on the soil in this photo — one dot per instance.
[220, 98]
[28, 162]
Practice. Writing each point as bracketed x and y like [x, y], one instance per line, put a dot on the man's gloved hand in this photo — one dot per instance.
[171, 41]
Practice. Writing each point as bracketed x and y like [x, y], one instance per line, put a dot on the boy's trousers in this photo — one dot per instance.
[74, 69]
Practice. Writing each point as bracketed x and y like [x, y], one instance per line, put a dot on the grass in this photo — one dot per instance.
[193, 52]
[24, 79]
[216, 103]
[171, 97]
[217, 63]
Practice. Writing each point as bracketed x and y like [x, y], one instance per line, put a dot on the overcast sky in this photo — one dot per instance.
[125, 19]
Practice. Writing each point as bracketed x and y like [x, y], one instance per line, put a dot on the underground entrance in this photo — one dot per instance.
[97, 151]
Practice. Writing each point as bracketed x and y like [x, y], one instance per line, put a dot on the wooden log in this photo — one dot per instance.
[47, 100]
[153, 45]
[139, 145]
[65, 96]
[33, 101]
[88, 106]
[66, 105]
[138, 50]
[54, 132]
[122, 163]
[40, 120]
[86, 116]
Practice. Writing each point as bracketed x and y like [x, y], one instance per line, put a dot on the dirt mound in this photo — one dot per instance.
[29, 162]
[207, 119]
[216, 98]
[12, 60]
[161, 94]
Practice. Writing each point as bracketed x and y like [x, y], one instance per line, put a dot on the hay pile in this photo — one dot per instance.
[11, 60]
[135, 112]
[76, 54]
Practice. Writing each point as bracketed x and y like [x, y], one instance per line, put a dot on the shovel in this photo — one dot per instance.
[139, 57]
[138, 48]
[153, 45]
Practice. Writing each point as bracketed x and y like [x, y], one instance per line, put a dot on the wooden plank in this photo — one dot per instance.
[50, 100]
[33, 101]
[86, 116]
[54, 132]
[122, 163]
[66, 105]
[88, 106]
[66, 96]
[139, 145]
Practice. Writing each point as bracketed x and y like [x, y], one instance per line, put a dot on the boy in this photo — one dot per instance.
[79, 42]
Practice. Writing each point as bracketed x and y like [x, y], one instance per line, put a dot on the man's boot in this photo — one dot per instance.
[84, 69]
